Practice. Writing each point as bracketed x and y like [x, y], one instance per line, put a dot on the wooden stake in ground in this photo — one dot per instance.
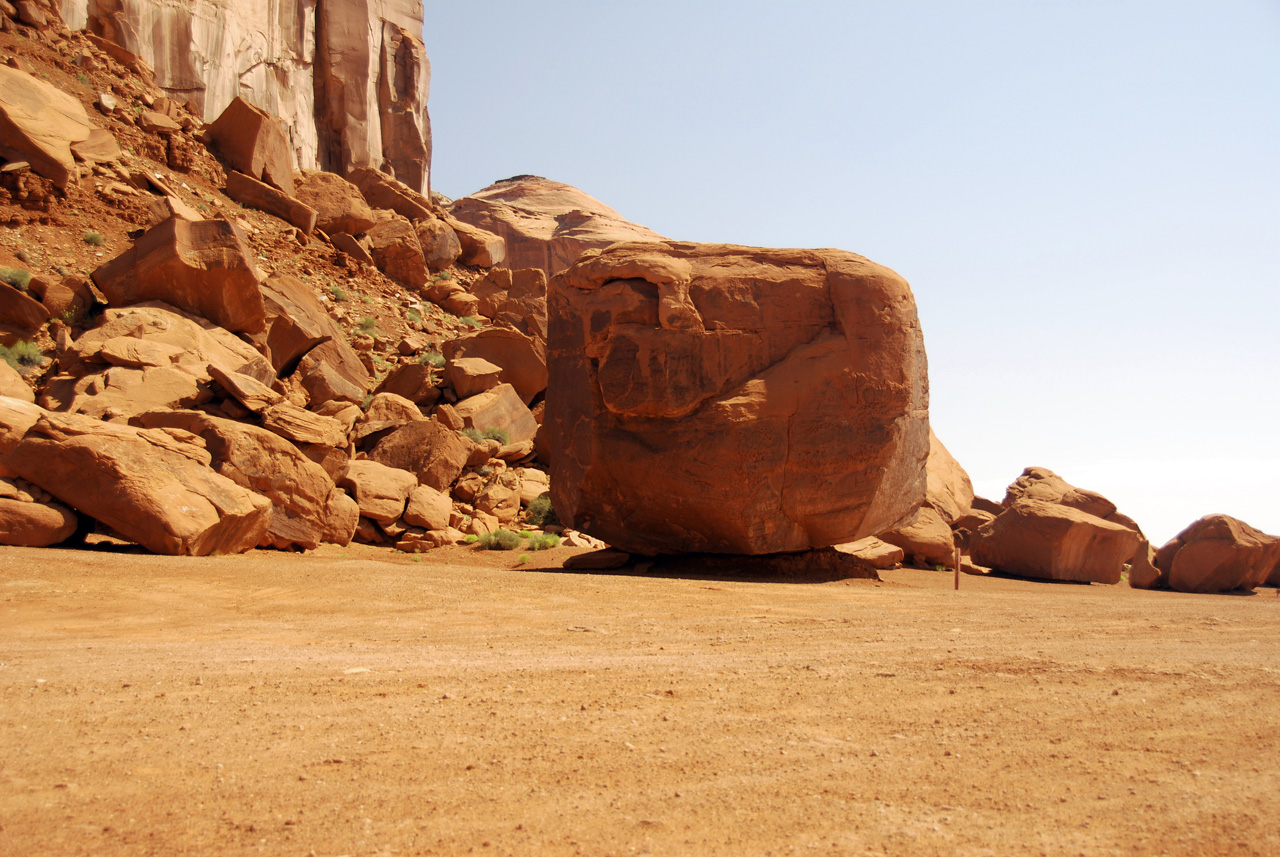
[957, 568]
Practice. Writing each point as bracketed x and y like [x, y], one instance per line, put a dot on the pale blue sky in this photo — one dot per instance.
[1084, 195]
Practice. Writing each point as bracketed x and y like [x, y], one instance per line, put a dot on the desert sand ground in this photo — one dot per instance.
[361, 702]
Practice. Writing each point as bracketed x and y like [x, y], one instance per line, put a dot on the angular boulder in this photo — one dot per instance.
[545, 224]
[247, 190]
[949, 491]
[337, 202]
[380, 491]
[149, 485]
[480, 247]
[522, 359]
[874, 552]
[1041, 483]
[734, 400]
[261, 461]
[11, 384]
[927, 541]
[433, 453]
[29, 518]
[1218, 553]
[302, 338]
[395, 249]
[440, 244]
[21, 312]
[1048, 541]
[39, 123]
[499, 408]
[252, 141]
[205, 268]
[382, 191]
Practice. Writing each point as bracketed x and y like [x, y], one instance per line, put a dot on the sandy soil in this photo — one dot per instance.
[354, 701]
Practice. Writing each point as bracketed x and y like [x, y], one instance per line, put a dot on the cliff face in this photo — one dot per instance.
[350, 78]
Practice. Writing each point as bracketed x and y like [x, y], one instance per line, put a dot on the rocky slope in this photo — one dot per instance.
[349, 78]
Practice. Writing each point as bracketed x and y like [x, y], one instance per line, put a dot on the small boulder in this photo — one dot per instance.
[927, 541]
[428, 508]
[499, 408]
[262, 196]
[522, 359]
[440, 244]
[876, 553]
[12, 384]
[380, 491]
[470, 376]
[382, 191]
[480, 247]
[39, 123]
[433, 453]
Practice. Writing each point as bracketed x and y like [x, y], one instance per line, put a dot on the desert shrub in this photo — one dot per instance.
[540, 512]
[432, 358]
[366, 299]
[500, 435]
[469, 321]
[414, 316]
[472, 434]
[16, 277]
[500, 540]
[22, 356]
[544, 541]
[337, 292]
[471, 539]
[367, 324]
[94, 239]
[522, 559]
[83, 79]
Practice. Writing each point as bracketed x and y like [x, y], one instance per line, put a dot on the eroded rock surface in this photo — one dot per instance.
[732, 399]
[1217, 553]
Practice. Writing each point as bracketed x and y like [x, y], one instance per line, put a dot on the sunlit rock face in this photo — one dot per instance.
[721, 399]
[349, 78]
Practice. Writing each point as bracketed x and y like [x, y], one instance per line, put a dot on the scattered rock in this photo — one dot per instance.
[252, 141]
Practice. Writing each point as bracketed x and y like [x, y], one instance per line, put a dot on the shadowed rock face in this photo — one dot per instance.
[349, 78]
[737, 400]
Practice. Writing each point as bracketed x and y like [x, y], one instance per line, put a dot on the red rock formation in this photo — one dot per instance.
[546, 224]
[1218, 553]
[731, 399]
[1034, 538]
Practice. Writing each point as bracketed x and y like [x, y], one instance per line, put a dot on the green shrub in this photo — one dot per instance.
[16, 277]
[443, 275]
[367, 324]
[500, 435]
[414, 316]
[84, 79]
[545, 541]
[366, 299]
[23, 356]
[500, 540]
[432, 358]
[337, 292]
[469, 321]
[472, 434]
[522, 559]
[471, 539]
[540, 512]
[94, 239]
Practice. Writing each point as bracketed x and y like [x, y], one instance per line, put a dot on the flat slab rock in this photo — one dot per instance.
[725, 399]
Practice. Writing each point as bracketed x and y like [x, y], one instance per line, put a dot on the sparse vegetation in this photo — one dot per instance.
[500, 540]
[544, 541]
[443, 275]
[471, 539]
[23, 356]
[94, 239]
[432, 358]
[522, 559]
[84, 79]
[367, 324]
[500, 435]
[472, 434]
[540, 511]
[469, 321]
[16, 277]
[337, 292]
[414, 316]
[366, 299]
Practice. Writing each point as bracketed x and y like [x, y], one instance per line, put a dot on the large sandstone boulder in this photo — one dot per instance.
[1218, 553]
[545, 224]
[950, 491]
[1048, 541]
[11, 384]
[265, 463]
[205, 268]
[393, 243]
[433, 453]
[29, 517]
[499, 408]
[926, 541]
[247, 190]
[337, 202]
[39, 123]
[153, 486]
[383, 191]
[734, 400]
[1041, 483]
[252, 141]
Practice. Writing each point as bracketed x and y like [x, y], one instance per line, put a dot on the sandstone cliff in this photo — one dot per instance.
[349, 78]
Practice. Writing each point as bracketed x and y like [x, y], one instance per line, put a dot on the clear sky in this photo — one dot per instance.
[1084, 195]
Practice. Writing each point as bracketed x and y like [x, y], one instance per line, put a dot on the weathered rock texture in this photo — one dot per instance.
[1049, 541]
[737, 400]
[546, 224]
[349, 77]
[1217, 553]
